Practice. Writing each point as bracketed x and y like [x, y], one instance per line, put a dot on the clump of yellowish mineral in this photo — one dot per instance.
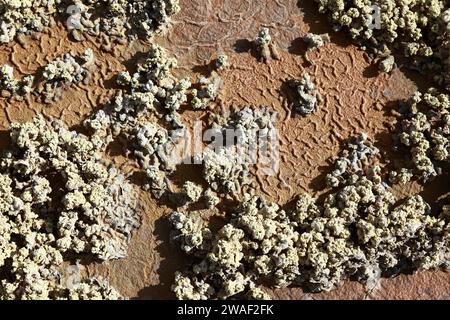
[57, 198]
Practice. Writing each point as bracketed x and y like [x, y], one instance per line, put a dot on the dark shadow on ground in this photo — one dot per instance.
[204, 69]
[111, 83]
[298, 47]
[371, 71]
[4, 139]
[288, 93]
[172, 260]
[319, 24]
[131, 63]
[316, 21]
[247, 46]
[421, 80]
[436, 192]
[118, 147]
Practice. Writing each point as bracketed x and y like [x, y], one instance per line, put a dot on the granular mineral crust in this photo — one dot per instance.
[10, 86]
[64, 71]
[222, 62]
[61, 200]
[238, 141]
[151, 90]
[307, 97]
[150, 94]
[58, 198]
[192, 191]
[207, 91]
[267, 49]
[224, 170]
[116, 19]
[358, 153]
[424, 130]
[418, 30]
[25, 17]
[92, 289]
[387, 64]
[190, 232]
[56, 75]
[137, 18]
[360, 231]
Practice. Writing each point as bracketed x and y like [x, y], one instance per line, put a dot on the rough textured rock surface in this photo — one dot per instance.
[359, 99]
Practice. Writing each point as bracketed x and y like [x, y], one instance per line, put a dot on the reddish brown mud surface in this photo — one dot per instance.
[357, 99]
